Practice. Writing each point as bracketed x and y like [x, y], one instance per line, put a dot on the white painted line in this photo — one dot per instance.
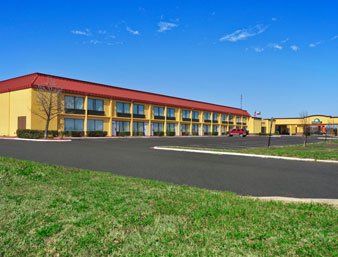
[243, 154]
[37, 140]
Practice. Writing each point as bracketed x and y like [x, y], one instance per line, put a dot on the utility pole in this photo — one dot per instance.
[241, 101]
[269, 139]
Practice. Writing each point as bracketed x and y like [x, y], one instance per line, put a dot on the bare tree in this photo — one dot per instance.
[303, 119]
[49, 104]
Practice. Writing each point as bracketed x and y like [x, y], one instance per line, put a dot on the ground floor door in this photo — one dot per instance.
[22, 122]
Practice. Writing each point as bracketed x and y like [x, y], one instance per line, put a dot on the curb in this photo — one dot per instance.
[37, 140]
[333, 202]
[244, 154]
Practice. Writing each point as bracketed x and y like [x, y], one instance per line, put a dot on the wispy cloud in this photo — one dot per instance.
[258, 49]
[274, 19]
[315, 44]
[335, 37]
[164, 26]
[243, 34]
[295, 48]
[276, 46]
[133, 32]
[85, 32]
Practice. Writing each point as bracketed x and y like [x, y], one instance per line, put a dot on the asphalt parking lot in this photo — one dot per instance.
[135, 157]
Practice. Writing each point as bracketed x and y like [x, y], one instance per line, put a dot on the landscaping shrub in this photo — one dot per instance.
[97, 133]
[122, 134]
[73, 133]
[172, 133]
[140, 134]
[29, 133]
[156, 133]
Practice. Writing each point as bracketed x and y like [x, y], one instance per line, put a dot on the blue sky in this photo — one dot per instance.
[281, 55]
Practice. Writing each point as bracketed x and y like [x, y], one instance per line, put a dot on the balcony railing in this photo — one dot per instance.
[123, 114]
[94, 112]
[186, 119]
[159, 117]
[207, 120]
[140, 116]
[171, 118]
[75, 111]
[195, 120]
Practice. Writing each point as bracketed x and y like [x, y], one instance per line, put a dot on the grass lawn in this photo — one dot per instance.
[56, 211]
[318, 151]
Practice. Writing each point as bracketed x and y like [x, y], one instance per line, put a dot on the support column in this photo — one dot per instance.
[149, 122]
[110, 128]
[131, 119]
[165, 121]
[86, 116]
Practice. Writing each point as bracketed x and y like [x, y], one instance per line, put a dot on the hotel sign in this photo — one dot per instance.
[316, 121]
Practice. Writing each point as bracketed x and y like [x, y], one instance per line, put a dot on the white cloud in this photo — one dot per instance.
[335, 37]
[258, 49]
[85, 32]
[314, 44]
[133, 32]
[243, 34]
[102, 32]
[164, 26]
[274, 19]
[295, 48]
[276, 46]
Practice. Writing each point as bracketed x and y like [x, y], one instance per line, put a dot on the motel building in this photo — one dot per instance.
[117, 111]
[91, 107]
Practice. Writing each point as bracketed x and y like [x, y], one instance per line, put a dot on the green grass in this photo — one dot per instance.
[318, 151]
[56, 211]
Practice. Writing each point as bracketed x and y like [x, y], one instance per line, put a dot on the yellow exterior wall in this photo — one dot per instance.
[14, 104]
[4, 114]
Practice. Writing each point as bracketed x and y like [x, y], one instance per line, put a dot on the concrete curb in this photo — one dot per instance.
[243, 154]
[37, 140]
[333, 202]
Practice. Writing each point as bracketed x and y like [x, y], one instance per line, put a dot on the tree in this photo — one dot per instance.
[303, 119]
[49, 104]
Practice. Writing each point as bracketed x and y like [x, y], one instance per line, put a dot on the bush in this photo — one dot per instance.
[185, 133]
[73, 133]
[29, 133]
[97, 133]
[170, 133]
[158, 133]
[138, 134]
[215, 133]
[122, 134]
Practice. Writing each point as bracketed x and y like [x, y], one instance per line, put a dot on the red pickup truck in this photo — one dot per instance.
[238, 132]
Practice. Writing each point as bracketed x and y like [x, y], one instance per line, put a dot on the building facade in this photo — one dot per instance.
[118, 111]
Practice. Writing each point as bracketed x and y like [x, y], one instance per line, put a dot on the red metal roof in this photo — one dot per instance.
[106, 91]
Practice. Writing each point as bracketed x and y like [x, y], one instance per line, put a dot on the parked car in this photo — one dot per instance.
[238, 132]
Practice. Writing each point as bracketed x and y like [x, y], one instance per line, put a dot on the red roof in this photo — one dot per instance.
[106, 91]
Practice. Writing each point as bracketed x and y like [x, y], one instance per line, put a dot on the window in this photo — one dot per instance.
[123, 107]
[238, 119]
[122, 127]
[138, 128]
[170, 127]
[95, 104]
[194, 129]
[138, 109]
[224, 117]
[185, 129]
[206, 116]
[170, 113]
[158, 111]
[95, 125]
[206, 129]
[158, 127]
[215, 129]
[74, 104]
[73, 124]
[195, 116]
[231, 118]
[186, 115]
[244, 120]
[215, 117]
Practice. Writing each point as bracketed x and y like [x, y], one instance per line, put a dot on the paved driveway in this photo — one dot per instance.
[135, 157]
